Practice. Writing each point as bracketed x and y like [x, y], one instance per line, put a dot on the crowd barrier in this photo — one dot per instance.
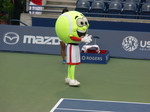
[121, 44]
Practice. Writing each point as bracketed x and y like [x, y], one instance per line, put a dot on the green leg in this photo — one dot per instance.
[69, 76]
[71, 71]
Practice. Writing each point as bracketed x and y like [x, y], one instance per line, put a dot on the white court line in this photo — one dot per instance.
[58, 103]
[83, 110]
[86, 100]
[106, 101]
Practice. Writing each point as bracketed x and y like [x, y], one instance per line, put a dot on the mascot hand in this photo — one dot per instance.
[86, 39]
[90, 36]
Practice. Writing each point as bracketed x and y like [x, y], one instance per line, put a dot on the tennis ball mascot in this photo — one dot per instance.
[71, 27]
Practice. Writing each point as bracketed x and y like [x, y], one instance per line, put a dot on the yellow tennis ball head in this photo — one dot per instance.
[69, 24]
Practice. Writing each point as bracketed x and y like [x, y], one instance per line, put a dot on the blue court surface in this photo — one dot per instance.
[77, 105]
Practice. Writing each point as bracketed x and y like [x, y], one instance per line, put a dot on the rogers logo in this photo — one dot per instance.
[130, 43]
[11, 38]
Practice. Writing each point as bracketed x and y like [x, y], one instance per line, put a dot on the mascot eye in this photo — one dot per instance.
[85, 21]
[80, 22]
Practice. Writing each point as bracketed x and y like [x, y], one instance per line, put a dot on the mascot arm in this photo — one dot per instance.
[87, 39]
[75, 38]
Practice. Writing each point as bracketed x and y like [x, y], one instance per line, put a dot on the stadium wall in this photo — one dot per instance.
[130, 40]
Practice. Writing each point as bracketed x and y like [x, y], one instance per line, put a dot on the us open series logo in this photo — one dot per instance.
[131, 43]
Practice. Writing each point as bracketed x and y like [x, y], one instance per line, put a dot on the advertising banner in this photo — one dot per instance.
[122, 44]
[29, 39]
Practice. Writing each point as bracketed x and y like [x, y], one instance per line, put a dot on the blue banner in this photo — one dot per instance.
[29, 39]
[122, 44]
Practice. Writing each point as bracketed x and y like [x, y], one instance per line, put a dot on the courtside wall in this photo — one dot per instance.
[123, 40]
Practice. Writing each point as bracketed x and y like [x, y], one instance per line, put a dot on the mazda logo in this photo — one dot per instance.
[11, 38]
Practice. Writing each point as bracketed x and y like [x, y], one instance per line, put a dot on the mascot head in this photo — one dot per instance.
[69, 24]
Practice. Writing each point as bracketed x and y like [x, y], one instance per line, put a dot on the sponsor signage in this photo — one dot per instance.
[91, 56]
[29, 39]
[122, 44]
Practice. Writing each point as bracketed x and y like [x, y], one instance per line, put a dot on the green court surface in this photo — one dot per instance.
[35, 82]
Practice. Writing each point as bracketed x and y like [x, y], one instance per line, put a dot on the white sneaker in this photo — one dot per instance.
[74, 83]
[67, 80]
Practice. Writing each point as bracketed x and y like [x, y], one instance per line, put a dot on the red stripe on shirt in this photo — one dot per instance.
[74, 63]
[70, 55]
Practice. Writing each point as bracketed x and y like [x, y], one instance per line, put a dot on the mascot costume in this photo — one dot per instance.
[71, 27]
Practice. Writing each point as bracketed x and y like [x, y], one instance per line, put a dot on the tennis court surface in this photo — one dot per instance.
[77, 105]
[35, 83]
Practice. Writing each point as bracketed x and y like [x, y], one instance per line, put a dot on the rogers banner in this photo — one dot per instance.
[122, 44]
